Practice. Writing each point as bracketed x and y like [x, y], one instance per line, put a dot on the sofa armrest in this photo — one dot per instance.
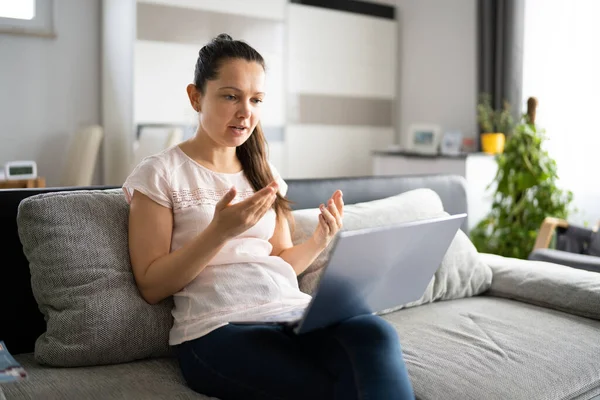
[545, 284]
[574, 260]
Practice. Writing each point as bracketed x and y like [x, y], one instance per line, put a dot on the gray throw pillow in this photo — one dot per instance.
[461, 273]
[76, 244]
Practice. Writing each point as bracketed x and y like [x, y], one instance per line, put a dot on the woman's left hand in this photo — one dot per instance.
[330, 220]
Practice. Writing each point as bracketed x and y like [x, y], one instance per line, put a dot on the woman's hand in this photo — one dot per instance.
[232, 219]
[330, 220]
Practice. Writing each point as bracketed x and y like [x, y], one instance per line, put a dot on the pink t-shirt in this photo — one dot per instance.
[243, 280]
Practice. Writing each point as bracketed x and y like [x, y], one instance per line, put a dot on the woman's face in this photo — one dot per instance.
[230, 106]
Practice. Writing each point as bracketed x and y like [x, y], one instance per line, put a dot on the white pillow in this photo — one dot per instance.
[461, 273]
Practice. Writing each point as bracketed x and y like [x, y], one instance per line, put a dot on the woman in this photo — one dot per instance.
[209, 226]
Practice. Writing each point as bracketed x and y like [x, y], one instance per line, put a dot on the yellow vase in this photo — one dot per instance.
[493, 143]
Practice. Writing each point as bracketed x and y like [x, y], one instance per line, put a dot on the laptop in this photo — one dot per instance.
[371, 270]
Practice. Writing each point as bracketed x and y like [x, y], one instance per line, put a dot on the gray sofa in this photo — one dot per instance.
[534, 333]
[575, 260]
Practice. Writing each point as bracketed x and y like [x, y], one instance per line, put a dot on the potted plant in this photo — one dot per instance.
[495, 125]
[525, 193]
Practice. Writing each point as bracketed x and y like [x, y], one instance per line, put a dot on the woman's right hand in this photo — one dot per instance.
[231, 220]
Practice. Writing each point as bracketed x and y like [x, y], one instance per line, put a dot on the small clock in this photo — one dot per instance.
[15, 170]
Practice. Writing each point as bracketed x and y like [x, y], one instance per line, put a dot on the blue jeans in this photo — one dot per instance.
[359, 358]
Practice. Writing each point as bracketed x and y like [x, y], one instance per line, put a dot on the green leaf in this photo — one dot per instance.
[525, 180]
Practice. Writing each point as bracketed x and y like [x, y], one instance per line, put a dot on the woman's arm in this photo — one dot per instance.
[303, 254]
[299, 256]
[158, 273]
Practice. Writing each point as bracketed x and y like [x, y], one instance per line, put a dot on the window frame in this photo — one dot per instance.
[41, 25]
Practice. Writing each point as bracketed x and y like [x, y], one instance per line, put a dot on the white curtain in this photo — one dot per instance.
[562, 69]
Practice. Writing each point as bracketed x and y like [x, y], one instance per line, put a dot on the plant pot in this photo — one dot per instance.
[492, 143]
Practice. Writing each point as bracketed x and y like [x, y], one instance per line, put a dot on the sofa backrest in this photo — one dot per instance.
[309, 193]
[22, 322]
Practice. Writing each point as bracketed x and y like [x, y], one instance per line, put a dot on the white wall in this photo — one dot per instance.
[164, 99]
[50, 87]
[118, 38]
[437, 65]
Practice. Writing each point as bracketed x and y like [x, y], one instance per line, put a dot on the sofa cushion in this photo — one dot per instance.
[546, 284]
[157, 378]
[475, 348]
[461, 273]
[76, 244]
[491, 348]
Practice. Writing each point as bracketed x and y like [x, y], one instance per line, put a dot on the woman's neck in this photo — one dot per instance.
[206, 152]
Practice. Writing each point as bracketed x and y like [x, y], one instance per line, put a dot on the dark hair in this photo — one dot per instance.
[253, 152]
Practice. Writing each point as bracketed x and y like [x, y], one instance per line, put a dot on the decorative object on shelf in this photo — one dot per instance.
[20, 170]
[424, 138]
[469, 145]
[525, 193]
[495, 125]
[451, 143]
[493, 143]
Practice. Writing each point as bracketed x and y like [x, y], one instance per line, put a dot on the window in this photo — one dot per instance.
[17, 9]
[27, 17]
[561, 64]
